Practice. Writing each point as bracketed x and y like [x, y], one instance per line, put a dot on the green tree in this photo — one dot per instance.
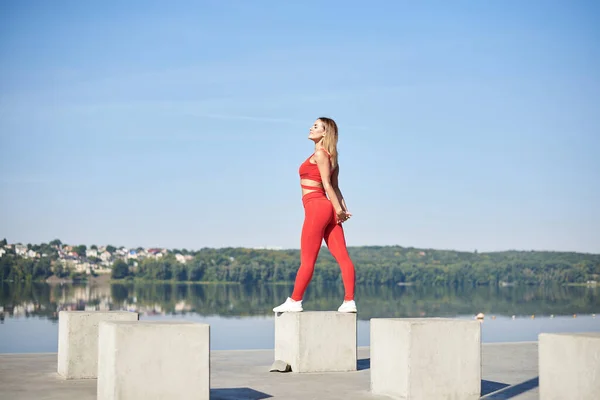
[42, 268]
[60, 270]
[120, 270]
[6, 267]
[80, 250]
[181, 272]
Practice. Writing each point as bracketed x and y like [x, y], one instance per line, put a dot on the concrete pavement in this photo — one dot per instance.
[509, 371]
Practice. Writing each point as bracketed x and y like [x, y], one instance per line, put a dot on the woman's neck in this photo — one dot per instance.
[319, 145]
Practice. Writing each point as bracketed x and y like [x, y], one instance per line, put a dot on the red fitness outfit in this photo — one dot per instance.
[320, 222]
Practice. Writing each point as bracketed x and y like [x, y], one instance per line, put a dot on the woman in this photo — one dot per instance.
[324, 212]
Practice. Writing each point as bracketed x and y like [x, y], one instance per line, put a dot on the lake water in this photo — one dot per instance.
[241, 316]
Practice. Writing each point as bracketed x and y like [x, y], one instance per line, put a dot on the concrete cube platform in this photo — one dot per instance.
[78, 340]
[426, 358]
[153, 360]
[316, 341]
[569, 365]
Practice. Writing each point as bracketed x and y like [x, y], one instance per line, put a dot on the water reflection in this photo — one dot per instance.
[45, 300]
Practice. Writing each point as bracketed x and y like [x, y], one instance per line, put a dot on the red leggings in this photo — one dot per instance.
[320, 223]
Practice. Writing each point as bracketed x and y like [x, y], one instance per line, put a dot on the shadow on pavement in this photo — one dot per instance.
[237, 394]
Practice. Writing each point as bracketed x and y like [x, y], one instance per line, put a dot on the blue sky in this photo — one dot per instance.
[463, 125]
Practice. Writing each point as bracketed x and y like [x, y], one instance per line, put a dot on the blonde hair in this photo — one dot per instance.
[330, 140]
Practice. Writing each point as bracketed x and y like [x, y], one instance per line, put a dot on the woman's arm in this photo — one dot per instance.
[324, 165]
[336, 187]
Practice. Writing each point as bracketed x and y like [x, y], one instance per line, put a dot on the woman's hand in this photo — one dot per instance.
[342, 216]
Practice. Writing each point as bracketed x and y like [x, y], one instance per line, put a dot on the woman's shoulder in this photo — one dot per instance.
[322, 153]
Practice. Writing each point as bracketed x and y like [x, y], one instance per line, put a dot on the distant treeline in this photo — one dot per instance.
[374, 265]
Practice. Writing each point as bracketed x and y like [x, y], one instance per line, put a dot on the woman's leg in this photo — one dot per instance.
[336, 242]
[318, 214]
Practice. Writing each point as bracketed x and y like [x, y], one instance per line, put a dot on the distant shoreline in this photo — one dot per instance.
[106, 279]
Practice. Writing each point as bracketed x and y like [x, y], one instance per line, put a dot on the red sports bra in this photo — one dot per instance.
[310, 171]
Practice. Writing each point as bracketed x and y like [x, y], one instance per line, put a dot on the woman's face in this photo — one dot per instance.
[317, 131]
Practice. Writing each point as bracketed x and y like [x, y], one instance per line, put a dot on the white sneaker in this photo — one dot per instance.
[289, 306]
[348, 307]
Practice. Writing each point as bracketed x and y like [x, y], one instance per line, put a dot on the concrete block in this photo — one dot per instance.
[153, 360]
[569, 365]
[425, 358]
[316, 341]
[78, 340]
